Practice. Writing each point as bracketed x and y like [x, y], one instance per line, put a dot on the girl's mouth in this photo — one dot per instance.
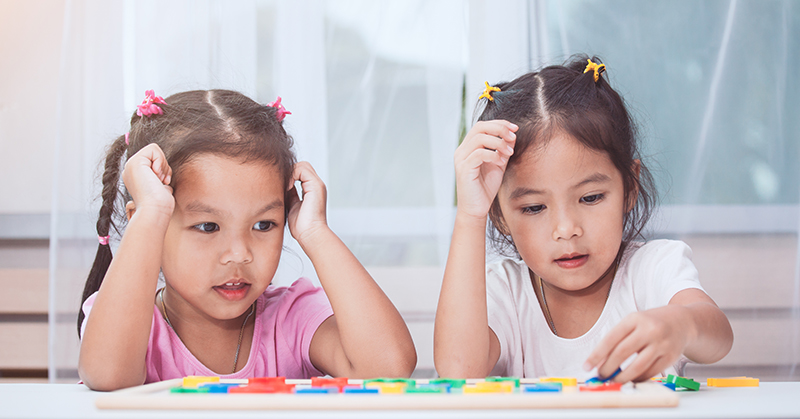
[572, 261]
[233, 290]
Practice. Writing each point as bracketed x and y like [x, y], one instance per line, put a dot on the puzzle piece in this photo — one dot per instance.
[388, 388]
[451, 382]
[513, 380]
[217, 387]
[317, 390]
[733, 382]
[683, 382]
[267, 380]
[188, 390]
[541, 388]
[602, 387]
[565, 381]
[429, 389]
[489, 387]
[276, 387]
[360, 390]
[195, 380]
[322, 381]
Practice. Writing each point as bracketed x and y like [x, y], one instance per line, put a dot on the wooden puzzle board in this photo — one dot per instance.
[157, 396]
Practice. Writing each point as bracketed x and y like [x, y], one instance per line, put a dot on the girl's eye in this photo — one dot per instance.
[592, 199]
[534, 209]
[263, 225]
[207, 227]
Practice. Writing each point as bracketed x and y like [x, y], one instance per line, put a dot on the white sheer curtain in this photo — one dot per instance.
[710, 84]
[376, 91]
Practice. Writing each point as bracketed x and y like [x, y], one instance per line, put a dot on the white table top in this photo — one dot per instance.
[770, 400]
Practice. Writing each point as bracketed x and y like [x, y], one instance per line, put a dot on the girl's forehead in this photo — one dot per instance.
[561, 159]
[228, 180]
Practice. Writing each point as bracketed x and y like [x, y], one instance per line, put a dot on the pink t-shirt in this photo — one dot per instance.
[286, 320]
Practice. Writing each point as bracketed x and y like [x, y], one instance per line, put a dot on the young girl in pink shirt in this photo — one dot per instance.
[208, 189]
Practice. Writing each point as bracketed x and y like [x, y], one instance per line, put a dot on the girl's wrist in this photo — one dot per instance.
[314, 236]
[466, 218]
[152, 214]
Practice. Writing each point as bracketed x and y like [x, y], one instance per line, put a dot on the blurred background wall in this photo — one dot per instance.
[380, 94]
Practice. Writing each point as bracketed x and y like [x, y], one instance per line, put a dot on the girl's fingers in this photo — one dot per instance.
[631, 344]
[487, 140]
[481, 156]
[658, 365]
[641, 364]
[157, 162]
[293, 198]
[304, 172]
[494, 135]
[607, 345]
[497, 128]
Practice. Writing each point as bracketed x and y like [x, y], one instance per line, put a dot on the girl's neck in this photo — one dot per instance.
[183, 315]
[570, 314]
[217, 344]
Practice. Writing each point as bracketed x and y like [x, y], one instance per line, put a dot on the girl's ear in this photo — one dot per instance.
[633, 196]
[130, 209]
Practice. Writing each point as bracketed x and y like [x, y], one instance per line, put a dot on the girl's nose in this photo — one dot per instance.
[566, 226]
[237, 251]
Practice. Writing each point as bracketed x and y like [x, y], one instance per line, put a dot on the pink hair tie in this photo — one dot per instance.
[149, 104]
[281, 111]
[127, 134]
[103, 240]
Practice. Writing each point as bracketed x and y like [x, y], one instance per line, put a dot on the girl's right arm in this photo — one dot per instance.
[463, 344]
[114, 343]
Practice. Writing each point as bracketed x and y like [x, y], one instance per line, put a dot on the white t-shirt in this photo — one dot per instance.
[648, 276]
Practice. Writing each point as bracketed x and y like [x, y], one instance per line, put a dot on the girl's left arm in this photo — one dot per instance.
[366, 337]
[691, 324]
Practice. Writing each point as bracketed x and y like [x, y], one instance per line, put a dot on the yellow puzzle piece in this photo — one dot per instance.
[194, 380]
[565, 381]
[733, 382]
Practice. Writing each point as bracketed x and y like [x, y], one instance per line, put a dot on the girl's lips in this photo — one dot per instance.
[233, 290]
[572, 261]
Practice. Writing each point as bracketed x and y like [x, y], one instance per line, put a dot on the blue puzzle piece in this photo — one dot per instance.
[598, 380]
[541, 388]
[218, 387]
[360, 390]
[317, 390]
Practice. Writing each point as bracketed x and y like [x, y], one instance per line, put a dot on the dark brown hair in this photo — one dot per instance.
[219, 122]
[565, 99]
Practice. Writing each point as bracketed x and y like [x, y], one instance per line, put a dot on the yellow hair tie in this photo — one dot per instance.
[598, 69]
[487, 92]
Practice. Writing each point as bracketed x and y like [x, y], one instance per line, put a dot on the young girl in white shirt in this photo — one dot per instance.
[553, 164]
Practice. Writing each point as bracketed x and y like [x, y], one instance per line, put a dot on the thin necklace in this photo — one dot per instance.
[241, 331]
[547, 314]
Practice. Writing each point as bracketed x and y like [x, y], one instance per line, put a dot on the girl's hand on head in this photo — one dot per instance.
[480, 163]
[306, 214]
[147, 176]
[658, 337]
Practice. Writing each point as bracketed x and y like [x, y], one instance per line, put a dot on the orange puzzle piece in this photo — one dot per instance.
[732, 382]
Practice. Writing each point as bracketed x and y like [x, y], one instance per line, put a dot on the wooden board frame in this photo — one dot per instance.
[156, 396]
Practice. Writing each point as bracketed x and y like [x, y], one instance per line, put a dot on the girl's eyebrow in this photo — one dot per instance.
[595, 178]
[197, 206]
[272, 205]
[523, 191]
